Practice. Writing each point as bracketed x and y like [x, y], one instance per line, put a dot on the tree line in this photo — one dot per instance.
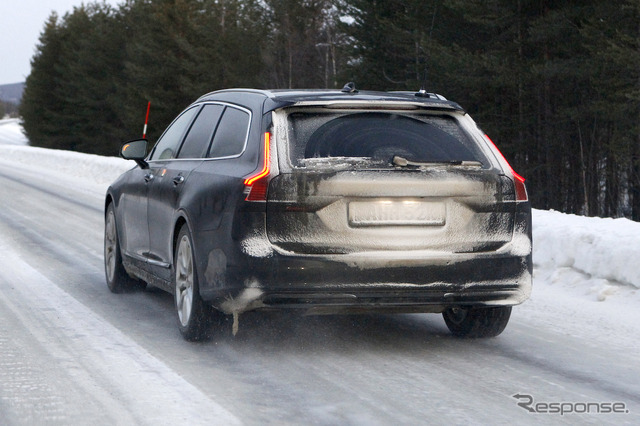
[8, 109]
[555, 84]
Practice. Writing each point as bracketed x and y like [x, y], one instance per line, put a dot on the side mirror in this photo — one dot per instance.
[135, 150]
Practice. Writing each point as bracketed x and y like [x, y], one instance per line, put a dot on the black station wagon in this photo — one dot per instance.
[327, 201]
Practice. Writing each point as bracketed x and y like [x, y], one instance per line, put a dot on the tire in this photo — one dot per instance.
[118, 280]
[193, 315]
[474, 322]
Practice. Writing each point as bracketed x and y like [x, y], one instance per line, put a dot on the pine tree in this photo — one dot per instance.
[302, 48]
[89, 68]
[612, 35]
[39, 103]
[177, 50]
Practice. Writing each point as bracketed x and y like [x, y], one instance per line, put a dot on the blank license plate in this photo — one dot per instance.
[384, 212]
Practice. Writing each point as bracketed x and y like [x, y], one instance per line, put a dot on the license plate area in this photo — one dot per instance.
[397, 213]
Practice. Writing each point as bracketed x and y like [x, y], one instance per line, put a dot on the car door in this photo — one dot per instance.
[133, 211]
[163, 152]
[171, 178]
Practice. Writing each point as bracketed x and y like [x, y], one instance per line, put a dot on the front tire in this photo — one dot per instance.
[192, 313]
[118, 280]
[474, 322]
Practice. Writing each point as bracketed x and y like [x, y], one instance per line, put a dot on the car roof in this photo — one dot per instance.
[278, 98]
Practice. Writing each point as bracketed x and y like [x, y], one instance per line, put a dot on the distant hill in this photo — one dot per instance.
[11, 92]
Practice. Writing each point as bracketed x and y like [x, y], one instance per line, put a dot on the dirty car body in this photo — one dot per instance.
[329, 202]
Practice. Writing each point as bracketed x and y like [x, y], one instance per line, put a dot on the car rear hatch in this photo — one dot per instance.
[367, 181]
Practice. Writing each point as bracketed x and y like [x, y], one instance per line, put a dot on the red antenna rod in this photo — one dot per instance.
[146, 120]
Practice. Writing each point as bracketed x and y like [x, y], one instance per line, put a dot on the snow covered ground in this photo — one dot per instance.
[576, 336]
[586, 279]
[594, 257]
[11, 132]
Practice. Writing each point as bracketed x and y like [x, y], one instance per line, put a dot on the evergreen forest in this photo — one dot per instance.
[554, 83]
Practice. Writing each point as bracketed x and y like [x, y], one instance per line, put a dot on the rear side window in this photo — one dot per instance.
[380, 136]
[199, 137]
[169, 142]
[231, 135]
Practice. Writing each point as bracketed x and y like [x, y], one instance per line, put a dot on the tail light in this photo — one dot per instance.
[521, 190]
[256, 184]
[518, 181]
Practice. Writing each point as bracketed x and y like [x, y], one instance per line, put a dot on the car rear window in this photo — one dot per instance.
[379, 136]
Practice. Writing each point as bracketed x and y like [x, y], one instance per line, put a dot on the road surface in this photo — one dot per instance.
[73, 353]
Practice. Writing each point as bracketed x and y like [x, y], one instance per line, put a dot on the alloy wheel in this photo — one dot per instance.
[184, 280]
[110, 245]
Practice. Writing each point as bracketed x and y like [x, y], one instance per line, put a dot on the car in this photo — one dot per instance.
[325, 202]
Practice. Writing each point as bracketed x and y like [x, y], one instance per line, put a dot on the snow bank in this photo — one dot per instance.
[602, 248]
[90, 169]
[585, 279]
[11, 132]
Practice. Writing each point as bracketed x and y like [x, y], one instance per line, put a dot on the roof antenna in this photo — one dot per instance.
[423, 88]
[350, 87]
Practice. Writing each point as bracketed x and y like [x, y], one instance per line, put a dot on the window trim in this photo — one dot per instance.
[201, 105]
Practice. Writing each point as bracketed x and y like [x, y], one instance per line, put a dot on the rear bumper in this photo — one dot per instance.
[261, 276]
[346, 283]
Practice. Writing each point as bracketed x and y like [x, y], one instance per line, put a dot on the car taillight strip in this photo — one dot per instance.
[266, 168]
[518, 181]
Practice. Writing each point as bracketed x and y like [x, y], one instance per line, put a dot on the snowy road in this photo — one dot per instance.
[71, 352]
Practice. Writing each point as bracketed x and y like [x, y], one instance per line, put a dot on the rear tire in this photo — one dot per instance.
[193, 315]
[118, 280]
[474, 322]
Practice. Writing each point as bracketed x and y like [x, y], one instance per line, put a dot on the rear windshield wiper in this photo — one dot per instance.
[403, 162]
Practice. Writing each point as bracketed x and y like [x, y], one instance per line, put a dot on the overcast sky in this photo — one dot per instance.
[21, 22]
